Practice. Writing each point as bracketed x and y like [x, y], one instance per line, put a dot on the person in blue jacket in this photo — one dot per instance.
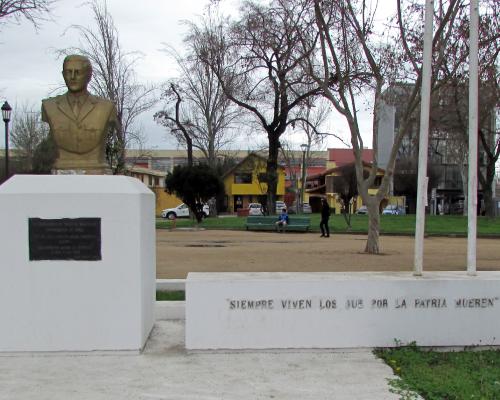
[282, 221]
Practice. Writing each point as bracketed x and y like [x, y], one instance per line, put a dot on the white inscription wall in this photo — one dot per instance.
[339, 310]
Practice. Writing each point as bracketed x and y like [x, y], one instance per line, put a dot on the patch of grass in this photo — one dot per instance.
[177, 295]
[444, 375]
[234, 223]
[389, 224]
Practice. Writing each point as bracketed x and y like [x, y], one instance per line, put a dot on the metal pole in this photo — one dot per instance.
[303, 185]
[424, 139]
[473, 126]
[6, 150]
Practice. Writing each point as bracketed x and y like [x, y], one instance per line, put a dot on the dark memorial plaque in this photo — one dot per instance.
[65, 239]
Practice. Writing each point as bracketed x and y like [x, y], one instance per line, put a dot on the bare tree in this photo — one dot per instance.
[27, 133]
[172, 120]
[262, 54]
[114, 78]
[207, 116]
[449, 134]
[311, 118]
[355, 61]
[453, 104]
[34, 11]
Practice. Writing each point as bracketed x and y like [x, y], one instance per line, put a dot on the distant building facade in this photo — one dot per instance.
[447, 164]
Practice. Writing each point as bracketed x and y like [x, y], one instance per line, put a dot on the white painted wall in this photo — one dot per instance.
[77, 305]
[213, 320]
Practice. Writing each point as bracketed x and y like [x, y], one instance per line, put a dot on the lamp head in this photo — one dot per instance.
[6, 110]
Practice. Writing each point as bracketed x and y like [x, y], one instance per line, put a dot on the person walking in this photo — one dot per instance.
[325, 216]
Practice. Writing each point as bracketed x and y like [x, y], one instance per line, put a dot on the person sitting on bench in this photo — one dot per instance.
[282, 221]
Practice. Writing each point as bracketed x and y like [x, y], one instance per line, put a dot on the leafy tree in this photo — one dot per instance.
[346, 186]
[194, 185]
[406, 179]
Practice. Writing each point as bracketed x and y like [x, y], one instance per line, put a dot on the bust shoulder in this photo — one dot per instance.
[63, 97]
[100, 100]
[52, 100]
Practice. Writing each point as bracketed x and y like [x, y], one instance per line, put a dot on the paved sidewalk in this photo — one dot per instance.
[166, 371]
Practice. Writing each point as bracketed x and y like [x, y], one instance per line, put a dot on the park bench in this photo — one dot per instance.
[268, 223]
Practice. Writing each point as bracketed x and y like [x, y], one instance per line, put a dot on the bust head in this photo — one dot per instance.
[77, 72]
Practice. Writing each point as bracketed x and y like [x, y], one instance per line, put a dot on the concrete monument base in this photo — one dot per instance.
[77, 265]
[341, 310]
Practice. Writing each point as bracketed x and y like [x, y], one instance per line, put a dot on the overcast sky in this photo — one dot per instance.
[31, 71]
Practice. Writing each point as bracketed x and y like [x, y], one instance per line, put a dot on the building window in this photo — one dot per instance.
[157, 181]
[150, 180]
[243, 177]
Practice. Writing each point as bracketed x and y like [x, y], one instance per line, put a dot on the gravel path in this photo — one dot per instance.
[182, 251]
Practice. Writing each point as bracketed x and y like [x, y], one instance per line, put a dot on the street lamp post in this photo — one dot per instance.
[6, 110]
[304, 148]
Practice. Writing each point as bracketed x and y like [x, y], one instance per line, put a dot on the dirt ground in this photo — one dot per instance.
[183, 251]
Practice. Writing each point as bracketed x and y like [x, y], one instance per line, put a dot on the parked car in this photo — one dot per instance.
[279, 206]
[306, 208]
[363, 210]
[182, 210]
[393, 209]
[255, 209]
[457, 208]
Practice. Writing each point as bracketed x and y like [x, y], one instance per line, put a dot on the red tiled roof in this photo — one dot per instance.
[336, 169]
[298, 169]
[346, 156]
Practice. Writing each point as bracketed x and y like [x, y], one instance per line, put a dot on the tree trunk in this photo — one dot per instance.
[272, 173]
[189, 150]
[489, 202]
[117, 152]
[465, 188]
[372, 244]
[272, 185]
[212, 160]
[347, 219]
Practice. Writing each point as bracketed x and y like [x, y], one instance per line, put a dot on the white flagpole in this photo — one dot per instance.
[473, 129]
[423, 139]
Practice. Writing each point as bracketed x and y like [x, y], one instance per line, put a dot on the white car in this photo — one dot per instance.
[255, 209]
[363, 210]
[279, 206]
[306, 208]
[393, 209]
[182, 210]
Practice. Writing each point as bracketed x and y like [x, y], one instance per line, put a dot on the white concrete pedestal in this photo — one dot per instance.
[341, 310]
[72, 305]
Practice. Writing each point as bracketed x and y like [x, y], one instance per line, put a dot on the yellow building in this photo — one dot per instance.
[155, 180]
[243, 186]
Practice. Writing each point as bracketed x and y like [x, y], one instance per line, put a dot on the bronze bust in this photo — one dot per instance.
[79, 122]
